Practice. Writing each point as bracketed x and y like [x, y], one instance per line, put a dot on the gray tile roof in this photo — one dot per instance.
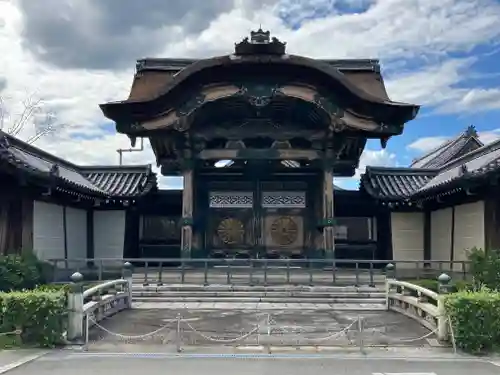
[416, 183]
[472, 165]
[101, 181]
[449, 150]
[395, 183]
[120, 181]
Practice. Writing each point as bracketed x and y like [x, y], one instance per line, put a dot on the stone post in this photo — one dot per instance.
[127, 275]
[389, 271]
[442, 320]
[75, 307]
[328, 223]
[187, 214]
[389, 274]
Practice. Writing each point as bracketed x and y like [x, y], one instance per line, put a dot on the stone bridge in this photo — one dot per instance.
[180, 316]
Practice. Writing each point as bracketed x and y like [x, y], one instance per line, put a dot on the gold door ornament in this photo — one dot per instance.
[231, 231]
[284, 230]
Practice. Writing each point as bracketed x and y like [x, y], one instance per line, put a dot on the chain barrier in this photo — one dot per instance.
[409, 340]
[268, 327]
[131, 337]
[221, 340]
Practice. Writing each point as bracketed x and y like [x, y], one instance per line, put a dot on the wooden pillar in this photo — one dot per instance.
[187, 214]
[328, 214]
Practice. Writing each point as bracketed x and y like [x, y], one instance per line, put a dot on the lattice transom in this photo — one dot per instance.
[228, 199]
[284, 199]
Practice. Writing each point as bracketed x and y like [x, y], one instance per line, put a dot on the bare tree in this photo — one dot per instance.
[33, 110]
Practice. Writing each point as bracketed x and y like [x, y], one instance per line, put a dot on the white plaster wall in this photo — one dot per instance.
[109, 234]
[76, 233]
[48, 231]
[469, 229]
[441, 224]
[407, 237]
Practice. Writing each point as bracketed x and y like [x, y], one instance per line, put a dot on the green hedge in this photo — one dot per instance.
[475, 318]
[485, 267]
[18, 272]
[40, 316]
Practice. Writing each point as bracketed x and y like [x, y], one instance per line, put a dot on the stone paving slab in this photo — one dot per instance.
[220, 325]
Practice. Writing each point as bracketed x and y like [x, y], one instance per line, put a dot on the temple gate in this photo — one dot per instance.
[258, 136]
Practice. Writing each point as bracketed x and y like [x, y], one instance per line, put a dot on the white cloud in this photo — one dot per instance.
[379, 158]
[394, 30]
[427, 144]
[489, 136]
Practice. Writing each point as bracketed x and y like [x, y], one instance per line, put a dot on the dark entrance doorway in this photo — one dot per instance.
[269, 221]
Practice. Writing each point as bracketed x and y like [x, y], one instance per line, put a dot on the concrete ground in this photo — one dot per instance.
[68, 362]
[277, 326]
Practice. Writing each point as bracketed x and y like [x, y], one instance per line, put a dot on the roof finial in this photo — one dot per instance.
[260, 43]
[471, 131]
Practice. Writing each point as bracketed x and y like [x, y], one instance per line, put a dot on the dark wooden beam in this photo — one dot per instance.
[262, 154]
[90, 233]
[452, 234]
[427, 235]
[65, 229]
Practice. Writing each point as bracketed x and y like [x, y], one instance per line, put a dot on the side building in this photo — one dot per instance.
[446, 203]
[60, 210]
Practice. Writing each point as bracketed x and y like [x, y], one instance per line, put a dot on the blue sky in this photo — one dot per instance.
[69, 56]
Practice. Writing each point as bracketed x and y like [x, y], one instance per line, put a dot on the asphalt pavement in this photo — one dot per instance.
[76, 363]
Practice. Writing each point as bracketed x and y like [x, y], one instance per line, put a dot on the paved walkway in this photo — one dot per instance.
[222, 325]
[101, 364]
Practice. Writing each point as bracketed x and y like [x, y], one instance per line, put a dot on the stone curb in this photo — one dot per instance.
[22, 361]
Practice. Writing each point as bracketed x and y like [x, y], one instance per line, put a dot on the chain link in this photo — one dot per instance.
[225, 341]
[132, 337]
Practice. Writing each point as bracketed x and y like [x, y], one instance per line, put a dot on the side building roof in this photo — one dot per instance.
[449, 150]
[93, 181]
[449, 174]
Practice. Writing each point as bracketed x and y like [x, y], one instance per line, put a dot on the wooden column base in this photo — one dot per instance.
[329, 242]
[186, 241]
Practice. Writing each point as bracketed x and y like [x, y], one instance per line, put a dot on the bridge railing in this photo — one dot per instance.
[250, 271]
[419, 303]
[87, 307]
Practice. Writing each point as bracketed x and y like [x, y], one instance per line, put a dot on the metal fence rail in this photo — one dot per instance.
[255, 271]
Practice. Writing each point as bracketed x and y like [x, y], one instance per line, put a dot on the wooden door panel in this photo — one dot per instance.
[283, 223]
[230, 223]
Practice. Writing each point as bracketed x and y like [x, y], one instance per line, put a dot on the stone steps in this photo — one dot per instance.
[277, 295]
[257, 288]
[331, 297]
[153, 298]
[261, 306]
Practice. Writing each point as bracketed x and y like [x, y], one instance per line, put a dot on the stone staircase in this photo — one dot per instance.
[331, 297]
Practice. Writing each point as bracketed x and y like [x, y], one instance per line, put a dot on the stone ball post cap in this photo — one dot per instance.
[127, 265]
[444, 278]
[390, 266]
[76, 277]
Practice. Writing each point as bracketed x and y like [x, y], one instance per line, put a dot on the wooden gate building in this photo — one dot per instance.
[258, 136]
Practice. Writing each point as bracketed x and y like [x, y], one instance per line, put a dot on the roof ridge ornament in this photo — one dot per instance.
[471, 131]
[260, 43]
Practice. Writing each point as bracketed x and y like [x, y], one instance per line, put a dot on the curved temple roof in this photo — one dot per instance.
[367, 99]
